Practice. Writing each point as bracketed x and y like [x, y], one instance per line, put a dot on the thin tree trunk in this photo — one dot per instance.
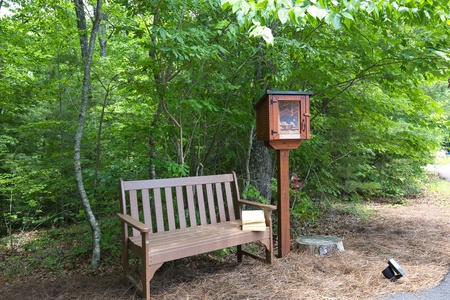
[152, 143]
[99, 139]
[102, 36]
[248, 177]
[87, 50]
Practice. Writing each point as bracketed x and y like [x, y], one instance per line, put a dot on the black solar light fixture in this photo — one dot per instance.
[393, 271]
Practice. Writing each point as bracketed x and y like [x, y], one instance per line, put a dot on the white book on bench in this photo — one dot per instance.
[253, 220]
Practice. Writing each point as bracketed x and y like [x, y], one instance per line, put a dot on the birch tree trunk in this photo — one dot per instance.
[87, 49]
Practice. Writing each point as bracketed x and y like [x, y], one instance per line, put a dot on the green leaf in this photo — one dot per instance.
[262, 31]
[347, 23]
[283, 15]
[334, 19]
[317, 12]
[299, 13]
[347, 15]
[245, 7]
[163, 34]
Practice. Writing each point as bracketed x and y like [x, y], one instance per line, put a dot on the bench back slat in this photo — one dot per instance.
[146, 208]
[178, 203]
[181, 181]
[180, 206]
[229, 198]
[169, 207]
[201, 204]
[134, 207]
[191, 206]
[221, 205]
[211, 206]
[158, 210]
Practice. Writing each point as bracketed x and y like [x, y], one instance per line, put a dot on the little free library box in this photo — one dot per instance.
[282, 119]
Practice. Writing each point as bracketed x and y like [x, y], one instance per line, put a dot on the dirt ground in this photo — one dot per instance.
[416, 235]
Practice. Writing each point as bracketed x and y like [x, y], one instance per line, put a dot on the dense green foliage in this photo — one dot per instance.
[174, 95]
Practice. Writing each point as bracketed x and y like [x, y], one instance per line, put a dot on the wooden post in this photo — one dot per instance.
[284, 226]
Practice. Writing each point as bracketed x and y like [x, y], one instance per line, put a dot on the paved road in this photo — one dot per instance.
[442, 291]
[444, 171]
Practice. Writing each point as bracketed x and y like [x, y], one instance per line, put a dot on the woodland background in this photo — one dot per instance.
[93, 91]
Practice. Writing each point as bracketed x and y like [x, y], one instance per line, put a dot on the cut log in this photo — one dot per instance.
[320, 244]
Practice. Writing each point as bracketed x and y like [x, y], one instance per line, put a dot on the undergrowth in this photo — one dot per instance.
[57, 252]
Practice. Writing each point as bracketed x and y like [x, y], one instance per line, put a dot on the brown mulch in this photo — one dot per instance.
[416, 235]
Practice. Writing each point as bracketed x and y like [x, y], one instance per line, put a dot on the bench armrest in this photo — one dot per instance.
[257, 204]
[134, 223]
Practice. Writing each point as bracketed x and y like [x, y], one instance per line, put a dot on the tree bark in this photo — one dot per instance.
[261, 167]
[248, 177]
[102, 36]
[99, 139]
[87, 50]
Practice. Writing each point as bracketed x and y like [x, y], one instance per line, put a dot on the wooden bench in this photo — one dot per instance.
[168, 219]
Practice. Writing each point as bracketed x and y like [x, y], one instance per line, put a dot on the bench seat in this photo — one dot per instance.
[167, 246]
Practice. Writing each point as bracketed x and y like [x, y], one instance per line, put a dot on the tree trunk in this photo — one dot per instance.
[99, 139]
[152, 143]
[261, 167]
[102, 36]
[248, 177]
[87, 49]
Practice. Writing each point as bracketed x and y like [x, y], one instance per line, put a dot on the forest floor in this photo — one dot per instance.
[414, 232]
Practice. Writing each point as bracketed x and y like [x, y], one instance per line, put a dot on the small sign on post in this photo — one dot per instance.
[283, 122]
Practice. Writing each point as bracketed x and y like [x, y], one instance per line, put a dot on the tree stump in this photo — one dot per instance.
[321, 245]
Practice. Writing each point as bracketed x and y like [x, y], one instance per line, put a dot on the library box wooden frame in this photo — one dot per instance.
[282, 119]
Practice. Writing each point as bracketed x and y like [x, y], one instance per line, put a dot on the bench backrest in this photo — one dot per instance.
[177, 203]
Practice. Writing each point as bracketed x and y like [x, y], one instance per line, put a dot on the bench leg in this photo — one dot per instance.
[269, 250]
[239, 253]
[147, 275]
[125, 264]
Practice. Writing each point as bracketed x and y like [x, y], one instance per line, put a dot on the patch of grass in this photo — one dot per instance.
[442, 159]
[438, 190]
[360, 210]
[439, 186]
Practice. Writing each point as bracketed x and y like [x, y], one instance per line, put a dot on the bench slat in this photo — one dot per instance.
[146, 208]
[191, 206]
[134, 208]
[180, 206]
[211, 207]
[158, 210]
[201, 204]
[180, 181]
[229, 199]
[169, 207]
[219, 195]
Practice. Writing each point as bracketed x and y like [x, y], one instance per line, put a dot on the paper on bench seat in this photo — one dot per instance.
[253, 220]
